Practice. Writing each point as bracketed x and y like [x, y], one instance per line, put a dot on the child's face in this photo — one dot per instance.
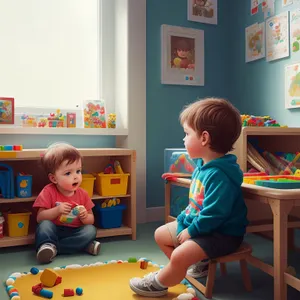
[194, 144]
[68, 177]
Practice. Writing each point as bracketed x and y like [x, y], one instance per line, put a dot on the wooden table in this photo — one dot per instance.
[281, 203]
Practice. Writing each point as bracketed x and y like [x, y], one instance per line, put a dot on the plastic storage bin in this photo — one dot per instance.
[111, 184]
[24, 185]
[88, 184]
[18, 223]
[109, 217]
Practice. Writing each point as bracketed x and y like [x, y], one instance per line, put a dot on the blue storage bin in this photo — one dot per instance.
[24, 186]
[109, 217]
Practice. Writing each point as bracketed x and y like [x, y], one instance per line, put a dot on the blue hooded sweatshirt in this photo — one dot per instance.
[216, 203]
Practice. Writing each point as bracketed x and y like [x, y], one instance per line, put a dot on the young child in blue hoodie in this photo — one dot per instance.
[215, 220]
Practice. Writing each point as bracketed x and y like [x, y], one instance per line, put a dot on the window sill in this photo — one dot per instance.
[64, 131]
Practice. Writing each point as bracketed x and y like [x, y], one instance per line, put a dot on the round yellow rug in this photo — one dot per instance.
[108, 281]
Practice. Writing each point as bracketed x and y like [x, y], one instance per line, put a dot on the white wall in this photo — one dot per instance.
[131, 88]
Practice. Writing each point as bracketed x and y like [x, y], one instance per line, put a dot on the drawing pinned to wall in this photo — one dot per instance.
[295, 31]
[254, 7]
[182, 55]
[203, 11]
[7, 110]
[277, 37]
[255, 42]
[292, 86]
[286, 2]
[268, 8]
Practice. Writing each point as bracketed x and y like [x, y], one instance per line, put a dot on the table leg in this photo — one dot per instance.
[280, 211]
[167, 200]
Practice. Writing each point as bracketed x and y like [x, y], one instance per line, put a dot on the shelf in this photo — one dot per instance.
[65, 131]
[30, 154]
[270, 130]
[26, 240]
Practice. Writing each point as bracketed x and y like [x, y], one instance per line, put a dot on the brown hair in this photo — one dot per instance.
[56, 154]
[216, 116]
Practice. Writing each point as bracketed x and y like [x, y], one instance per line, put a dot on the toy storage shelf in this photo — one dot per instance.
[94, 161]
[271, 139]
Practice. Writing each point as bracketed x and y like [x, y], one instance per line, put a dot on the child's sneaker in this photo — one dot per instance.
[147, 286]
[46, 253]
[198, 270]
[93, 248]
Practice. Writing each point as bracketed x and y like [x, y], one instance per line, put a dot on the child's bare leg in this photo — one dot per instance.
[164, 240]
[181, 258]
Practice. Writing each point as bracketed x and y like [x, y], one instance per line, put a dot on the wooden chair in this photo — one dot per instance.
[240, 255]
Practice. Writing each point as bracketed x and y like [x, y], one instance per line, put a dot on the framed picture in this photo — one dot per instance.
[203, 11]
[182, 56]
[94, 114]
[7, 110]
[255, 42]
[292, 86]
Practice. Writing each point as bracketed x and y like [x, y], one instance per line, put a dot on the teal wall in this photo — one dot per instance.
[258, 87]
[164, 102]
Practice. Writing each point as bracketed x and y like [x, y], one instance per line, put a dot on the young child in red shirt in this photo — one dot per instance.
[65, 217]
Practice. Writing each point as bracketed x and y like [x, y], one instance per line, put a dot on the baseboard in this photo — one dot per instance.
[155, 214]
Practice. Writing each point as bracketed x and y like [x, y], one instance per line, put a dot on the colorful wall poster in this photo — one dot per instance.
[255, 42]
[277, 37]
[292, 86]
[295, 31]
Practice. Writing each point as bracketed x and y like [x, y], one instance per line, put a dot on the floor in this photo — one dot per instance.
[21, 259]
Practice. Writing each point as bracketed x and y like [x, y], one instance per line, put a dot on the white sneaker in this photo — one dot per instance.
[46, 253]
[93, 248]
[198, 270]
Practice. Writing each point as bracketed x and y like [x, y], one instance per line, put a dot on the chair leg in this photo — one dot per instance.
[212, 268]
[246, 275]
[223, 269]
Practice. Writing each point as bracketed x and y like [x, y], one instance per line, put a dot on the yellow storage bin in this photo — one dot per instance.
[18, 224]
[88, 183]
[111, 184]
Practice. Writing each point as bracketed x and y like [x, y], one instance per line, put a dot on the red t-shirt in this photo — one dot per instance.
[50, 197]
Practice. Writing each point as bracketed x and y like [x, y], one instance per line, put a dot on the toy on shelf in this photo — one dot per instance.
[110, 202]
[56, 119]
[71, 120]
[11, 147]
[111, 121]
[7, 181]
[24, 185]
[94, 114]
[260, 121]
[28, 121]
[42, 122]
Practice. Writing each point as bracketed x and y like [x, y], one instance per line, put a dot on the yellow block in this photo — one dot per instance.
[48, 277]
[8, 154]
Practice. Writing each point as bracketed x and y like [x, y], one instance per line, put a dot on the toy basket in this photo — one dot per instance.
[109, 217]
[18, 224]
[111, 184]
[88, 184]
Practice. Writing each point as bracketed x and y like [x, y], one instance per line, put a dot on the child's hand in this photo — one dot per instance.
[64, 208]
[183, 236]
[83, 213]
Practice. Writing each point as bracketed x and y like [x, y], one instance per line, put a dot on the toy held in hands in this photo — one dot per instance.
[73, 214]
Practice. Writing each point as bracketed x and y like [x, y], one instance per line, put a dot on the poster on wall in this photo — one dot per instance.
[286, 2]
[255, 42]
[182, 55]
[254, 7]
[7, 110]
[295, 31]
[277, 37]
[203, 11]
[292, 86]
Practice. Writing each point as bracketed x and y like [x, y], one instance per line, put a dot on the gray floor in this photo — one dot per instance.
[20, 259]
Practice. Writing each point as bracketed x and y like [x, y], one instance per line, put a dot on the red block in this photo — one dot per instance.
[68, 292]
[58, 280]
[36, 289]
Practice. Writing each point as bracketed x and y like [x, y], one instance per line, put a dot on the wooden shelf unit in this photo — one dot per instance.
[271, 139]
[94, 161]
